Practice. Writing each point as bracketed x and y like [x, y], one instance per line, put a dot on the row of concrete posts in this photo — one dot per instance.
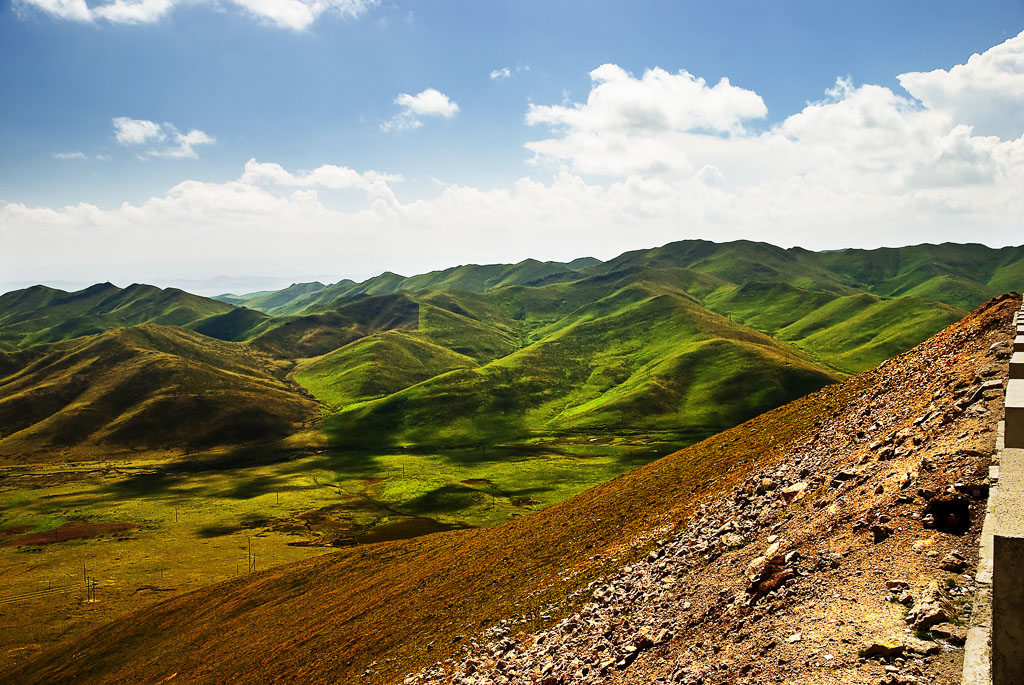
[1008, 531]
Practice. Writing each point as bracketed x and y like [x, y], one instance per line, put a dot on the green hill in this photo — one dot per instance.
[145, 387]
[41, 315]
[641, 359]
[376, 366]
[690, 336]
[277, 302]
[310, 298]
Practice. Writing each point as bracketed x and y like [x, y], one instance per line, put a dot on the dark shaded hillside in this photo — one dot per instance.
[146, 387]
[316, 334]
[374, 613]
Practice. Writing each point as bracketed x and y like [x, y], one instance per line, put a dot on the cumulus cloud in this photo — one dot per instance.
[626, 121]
[165, 139]
[133, 11]
[296, 15]
[428, 103]
[183, 143]
[130, 131]
[986, 93]
[375, 184]
[75, 10]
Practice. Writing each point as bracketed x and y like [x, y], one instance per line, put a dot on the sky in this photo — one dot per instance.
[262, 142]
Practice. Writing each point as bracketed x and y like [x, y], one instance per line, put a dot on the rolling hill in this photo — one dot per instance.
[683, 339]
[41, 315]
[600, 574]
[147, 387]
[643, 359]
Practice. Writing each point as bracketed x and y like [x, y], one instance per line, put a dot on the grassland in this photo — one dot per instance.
[406, 598]
[148, 530]
[145, 388]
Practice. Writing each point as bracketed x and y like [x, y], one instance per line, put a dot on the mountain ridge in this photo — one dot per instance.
[530, 330]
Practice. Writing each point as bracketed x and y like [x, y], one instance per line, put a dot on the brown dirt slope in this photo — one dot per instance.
[145, 387]
[668, 573]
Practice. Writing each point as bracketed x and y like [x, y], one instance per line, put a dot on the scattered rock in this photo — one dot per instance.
[953, 562]
[882, 648]
[953, 634]
[880, 532]
[933, 607]
[794, 492]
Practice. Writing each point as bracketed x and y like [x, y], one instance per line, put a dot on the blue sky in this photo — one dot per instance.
[451, 132]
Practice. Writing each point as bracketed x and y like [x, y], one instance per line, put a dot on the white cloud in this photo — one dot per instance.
[132, 132]
[428, 103]
[986, 93]
[75, 10]
[626, 122]
[183, 143]
[505, 72]
[374, 183]
[133, 11]
[658, 101]
[299, 15]
[296, 15]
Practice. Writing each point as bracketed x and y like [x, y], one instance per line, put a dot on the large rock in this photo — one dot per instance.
[933, 607]
[882, 648]
[794, 492]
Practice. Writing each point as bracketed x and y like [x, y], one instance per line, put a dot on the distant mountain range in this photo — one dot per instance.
[692, 336]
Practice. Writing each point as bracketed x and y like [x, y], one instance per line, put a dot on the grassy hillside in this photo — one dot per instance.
[146, 387]
[641, 359]
[41, 315]
[692, 335]
[310, 298]
[325, 620]
[856, 331]
[847, 333]
[316, 334]
[292, 299]
[376, 366]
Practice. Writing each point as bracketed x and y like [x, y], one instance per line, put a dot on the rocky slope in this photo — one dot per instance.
[847, 560]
